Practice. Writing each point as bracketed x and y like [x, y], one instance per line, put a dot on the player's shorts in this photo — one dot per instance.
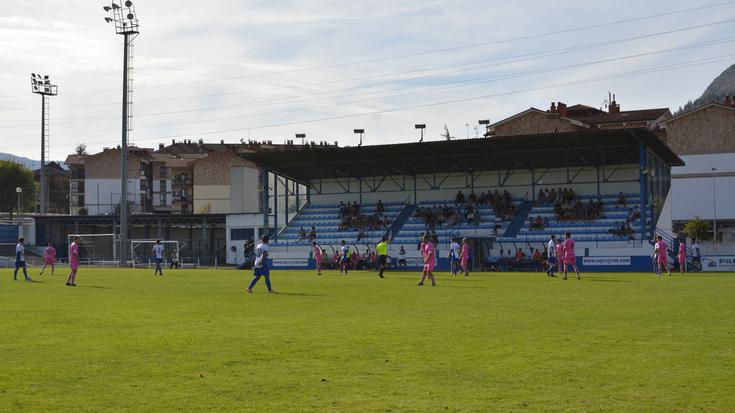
[429, 267]
[552, 260]
[159, 260]
[453, 260]
[663, 259]
[74, 265]
[682, 258]
[262, 271]
[50, 261]
[570, 260]
[464, 262]
[382, 259]
[19, 264]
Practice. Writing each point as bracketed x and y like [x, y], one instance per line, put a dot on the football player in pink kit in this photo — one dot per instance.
[660, 250]
[427, 249]
[73, 262]
[49, 258]
[317, 251]
[560, 255]
[682, 256]
[569, 258]
[464, 256]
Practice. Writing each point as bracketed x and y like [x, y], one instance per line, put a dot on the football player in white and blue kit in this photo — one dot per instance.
[344, 252]
[158, 255]
[20, 260]
[454, 251]
[551, 255]
[260, 268]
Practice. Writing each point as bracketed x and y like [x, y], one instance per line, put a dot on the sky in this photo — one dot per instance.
[267, 70]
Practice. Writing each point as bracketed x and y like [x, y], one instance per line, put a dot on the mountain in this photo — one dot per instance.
[28, 163]
[723, 85]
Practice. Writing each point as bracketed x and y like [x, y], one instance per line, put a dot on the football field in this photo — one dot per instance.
[194, 341]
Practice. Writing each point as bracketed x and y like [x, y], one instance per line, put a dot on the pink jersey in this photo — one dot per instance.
[569, 248]
[317, 252]
[661, 251]
[682, 250]
[559, 252]
[74, 254]
[465, 252]
[49, 254]
[428, 251]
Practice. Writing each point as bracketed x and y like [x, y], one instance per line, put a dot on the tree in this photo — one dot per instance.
[13, 175]
[446, 135]
[81, 149]
[698, 229]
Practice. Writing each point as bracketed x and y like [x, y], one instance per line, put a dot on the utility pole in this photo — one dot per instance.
[41, 85]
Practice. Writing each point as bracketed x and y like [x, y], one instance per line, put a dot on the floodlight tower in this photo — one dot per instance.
[421, 127]
[41, 85]
[360, 132]
[126, 24]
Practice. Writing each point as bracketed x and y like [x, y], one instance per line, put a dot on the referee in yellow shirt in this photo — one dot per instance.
[382, 251]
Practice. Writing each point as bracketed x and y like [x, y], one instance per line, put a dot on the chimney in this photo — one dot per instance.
[561, 108]
[160, 146]
[173, 141]
[553, 108]
[221, 141]
[613, 107]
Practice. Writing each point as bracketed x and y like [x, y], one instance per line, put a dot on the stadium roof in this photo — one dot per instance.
[572, 149]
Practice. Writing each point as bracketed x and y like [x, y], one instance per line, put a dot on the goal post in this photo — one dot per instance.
[141, 252]
[97, 249]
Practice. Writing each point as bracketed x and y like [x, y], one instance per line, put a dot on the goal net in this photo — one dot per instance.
[96, 249]
[142, 256]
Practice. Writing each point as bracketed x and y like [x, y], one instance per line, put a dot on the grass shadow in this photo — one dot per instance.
[95, 286]
[298, 294]
[607, 280]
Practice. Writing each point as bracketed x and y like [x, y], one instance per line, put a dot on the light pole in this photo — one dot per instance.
[359, 132]
[126, 24]
[421, 127]
[301, 136]
[485, 122]
[41, 85]
[714, 205]
[19, 191]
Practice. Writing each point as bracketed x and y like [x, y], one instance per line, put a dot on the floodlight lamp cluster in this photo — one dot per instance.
[41, 84]
[124, 17]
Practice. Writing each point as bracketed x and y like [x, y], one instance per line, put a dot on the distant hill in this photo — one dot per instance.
[28, 163]
[723, 85]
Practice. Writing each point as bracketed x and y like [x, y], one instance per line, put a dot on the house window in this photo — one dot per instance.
[162, 189]
[163, 200]
[162, 172]
[241, 234]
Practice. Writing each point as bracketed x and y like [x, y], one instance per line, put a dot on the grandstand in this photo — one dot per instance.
[419, 180]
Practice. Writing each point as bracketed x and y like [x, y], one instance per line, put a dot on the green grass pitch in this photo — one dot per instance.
[194, 341]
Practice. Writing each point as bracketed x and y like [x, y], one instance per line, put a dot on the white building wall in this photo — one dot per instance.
[240, 221]
[692, 193]
[101, 196]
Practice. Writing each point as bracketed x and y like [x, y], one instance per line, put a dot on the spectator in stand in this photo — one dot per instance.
[380, 208]
[536, 260]
[402, 257]
[459, 199]
[520, 257]
[434, 238]
[312, 234]
[541, 198]
[302, 234]
[342, 209]
[470, 216]
[552, 196]
[636, 215]
[472, 198]
[483, 200]
[621, 200]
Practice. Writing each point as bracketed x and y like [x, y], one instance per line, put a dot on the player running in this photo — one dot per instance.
[260, 267]
[427, 249]
[682, 257]
[158, 255]
[382, 250]
[454, 251]
[317, 251]
[551, 256]
[660, 251]
[20, 260]
[49, 258]
[344, 262]
[464, 257]
[569, 258]
[71, 281]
